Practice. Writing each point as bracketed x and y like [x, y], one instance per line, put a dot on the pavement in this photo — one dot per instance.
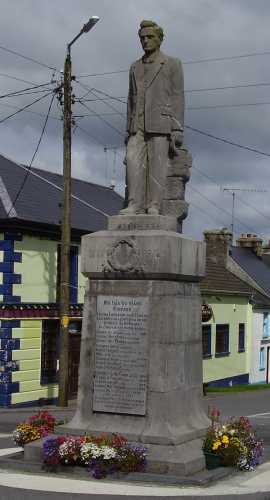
[18, 485]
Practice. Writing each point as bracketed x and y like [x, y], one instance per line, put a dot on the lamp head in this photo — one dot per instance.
[90, 24]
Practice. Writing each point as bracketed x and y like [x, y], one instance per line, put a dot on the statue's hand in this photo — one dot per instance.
[176, 141]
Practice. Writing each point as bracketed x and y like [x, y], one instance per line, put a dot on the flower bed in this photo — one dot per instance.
[234, 441]
[102, 455]
[36, 427]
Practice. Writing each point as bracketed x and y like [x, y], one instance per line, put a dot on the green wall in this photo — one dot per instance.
[29, 358]
[230, 310]
[38, 269]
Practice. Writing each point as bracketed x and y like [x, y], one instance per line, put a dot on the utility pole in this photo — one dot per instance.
[65, 226]
[65, 237]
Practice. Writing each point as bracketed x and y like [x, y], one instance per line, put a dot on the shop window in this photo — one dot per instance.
[206, 341]
[222, 340]
[241, 337]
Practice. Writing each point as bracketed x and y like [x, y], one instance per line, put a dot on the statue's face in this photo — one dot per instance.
[150, 40]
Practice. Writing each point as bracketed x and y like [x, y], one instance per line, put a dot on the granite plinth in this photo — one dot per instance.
[141, 351]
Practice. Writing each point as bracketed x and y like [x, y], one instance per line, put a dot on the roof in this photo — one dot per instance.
[253, 265]
[42, 193]
[219, 279]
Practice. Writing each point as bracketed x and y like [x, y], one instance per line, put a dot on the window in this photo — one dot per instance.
[206, 341]
[241, 337]
[222, 340]
[262, 358]
[266, 325]
[49, 351]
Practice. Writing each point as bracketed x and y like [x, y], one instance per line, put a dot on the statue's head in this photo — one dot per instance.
[151, 36]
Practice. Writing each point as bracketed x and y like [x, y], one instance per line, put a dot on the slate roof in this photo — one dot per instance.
[253, 265]
[218, 278]
[42, 193]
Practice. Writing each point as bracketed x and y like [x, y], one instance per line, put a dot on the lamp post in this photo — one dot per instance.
[65, 226]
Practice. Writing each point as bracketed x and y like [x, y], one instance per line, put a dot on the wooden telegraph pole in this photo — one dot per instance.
[65, 227]
[65, 238]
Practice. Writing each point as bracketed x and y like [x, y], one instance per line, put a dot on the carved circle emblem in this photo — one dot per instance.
[123, 256]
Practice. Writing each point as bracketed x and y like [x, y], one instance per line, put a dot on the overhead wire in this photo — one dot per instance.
[27, 58]
[11, 106]
[220, 208]
[226, 141]
[61, 189]
[33, 157]
[194, 61]
[238, 198]
[6, 75]
[206, 134]
[22, 91]
[25, 107]
[102, 119]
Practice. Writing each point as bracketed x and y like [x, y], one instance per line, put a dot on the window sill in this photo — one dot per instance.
[207, 356]
[241, 350]
[262, 369]
[222, 354]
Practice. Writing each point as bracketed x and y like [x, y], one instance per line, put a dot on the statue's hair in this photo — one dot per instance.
[155, 26]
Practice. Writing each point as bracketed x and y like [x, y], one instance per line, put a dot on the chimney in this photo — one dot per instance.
[218, 243]
[251, 241]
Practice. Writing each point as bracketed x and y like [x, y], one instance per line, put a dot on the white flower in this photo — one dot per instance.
[108, 452]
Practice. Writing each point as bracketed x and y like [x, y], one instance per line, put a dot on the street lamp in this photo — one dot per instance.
[65, 226]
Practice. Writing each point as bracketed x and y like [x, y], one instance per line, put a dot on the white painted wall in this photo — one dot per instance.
[258, 375]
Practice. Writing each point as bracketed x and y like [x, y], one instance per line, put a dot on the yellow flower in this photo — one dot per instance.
[225, 439]
[216, 445]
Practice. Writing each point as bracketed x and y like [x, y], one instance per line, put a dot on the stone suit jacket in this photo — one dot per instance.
[164, 96]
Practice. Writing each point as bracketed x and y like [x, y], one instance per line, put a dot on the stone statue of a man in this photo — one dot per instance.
[155, 121]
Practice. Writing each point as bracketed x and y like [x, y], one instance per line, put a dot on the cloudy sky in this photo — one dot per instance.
[225, 48]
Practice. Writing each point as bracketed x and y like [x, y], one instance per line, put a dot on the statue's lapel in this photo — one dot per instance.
[155, 68]
[139, 73]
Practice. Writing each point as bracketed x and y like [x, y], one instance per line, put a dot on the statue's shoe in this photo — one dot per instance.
[153, 211]
[132, 210]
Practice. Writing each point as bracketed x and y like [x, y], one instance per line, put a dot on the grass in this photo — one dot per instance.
[239, 388]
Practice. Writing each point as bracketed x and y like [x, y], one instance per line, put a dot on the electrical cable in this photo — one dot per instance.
[211, 216]
[33, 157]
[6, 75]
[195, 61]
[22, 91]
[210, 89]
[28, 111]
[91, 136]
[103, 119]
[226, 141]
[25, 107]
[240, 199]
[61, 189]
[221, 209]
[206, 134]
[14, 52]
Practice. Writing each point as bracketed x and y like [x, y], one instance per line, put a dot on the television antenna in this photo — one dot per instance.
[233, 191]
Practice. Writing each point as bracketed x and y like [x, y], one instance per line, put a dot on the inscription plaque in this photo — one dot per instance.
[121, 354]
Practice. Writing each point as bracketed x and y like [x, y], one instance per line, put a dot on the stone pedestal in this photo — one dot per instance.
[141, 355]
